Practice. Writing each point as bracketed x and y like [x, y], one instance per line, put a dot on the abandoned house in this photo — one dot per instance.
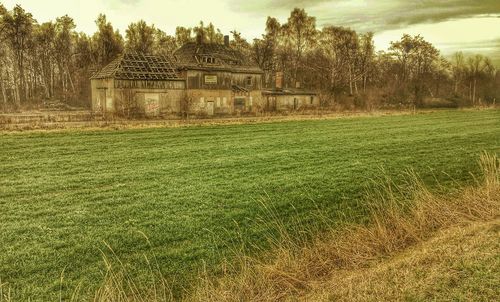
[219, 79]
[134, 83]
[200, 78]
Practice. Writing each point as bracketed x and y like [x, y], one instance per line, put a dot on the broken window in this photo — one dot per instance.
[208, 59]
[239, 103]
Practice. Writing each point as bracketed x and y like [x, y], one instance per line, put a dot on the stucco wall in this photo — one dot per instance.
[102, 95]
[107, 99]
[290, 102]
[150, 102]
[222, 101]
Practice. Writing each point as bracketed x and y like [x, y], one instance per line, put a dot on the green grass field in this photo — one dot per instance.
[195, 191]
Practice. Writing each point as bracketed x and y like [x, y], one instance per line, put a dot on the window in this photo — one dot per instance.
[208, 60]
[312, 100]
[248, 81]
[239, 103]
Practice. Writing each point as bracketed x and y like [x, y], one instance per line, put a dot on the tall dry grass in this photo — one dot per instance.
[400, 217]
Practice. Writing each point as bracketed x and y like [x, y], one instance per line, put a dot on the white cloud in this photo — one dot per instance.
[448, 36]
[166, 14]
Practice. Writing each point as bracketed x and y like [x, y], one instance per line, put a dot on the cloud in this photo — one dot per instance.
[437, 11]
[262, 6]
[365, 15]
[471, 35]
[490, 48]
[120, 3]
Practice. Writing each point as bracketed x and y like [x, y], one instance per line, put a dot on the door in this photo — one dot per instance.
[101, 100]
[210, 108]
[295, 104]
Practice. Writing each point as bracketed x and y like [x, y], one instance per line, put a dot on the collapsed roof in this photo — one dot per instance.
[192, 55]
[213, 56]
[130, 66]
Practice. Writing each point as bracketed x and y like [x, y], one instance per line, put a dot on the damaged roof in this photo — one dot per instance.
[133, 66]
[213, 56]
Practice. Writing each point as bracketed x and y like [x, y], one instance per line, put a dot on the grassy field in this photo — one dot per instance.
[195, 191]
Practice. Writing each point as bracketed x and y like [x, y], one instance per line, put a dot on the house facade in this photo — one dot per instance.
[137, 84]
[219, 79]
[202, 79]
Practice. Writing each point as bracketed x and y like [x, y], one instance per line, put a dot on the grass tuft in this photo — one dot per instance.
[304, 260]
[400, 217]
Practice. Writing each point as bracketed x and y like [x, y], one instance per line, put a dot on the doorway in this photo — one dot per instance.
[210, 108]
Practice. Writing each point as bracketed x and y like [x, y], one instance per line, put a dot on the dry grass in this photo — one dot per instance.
[459, 263]
[417, 245]
[400, 218]
[119, 124]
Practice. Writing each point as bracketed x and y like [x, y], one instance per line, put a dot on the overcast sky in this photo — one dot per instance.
[469, 25]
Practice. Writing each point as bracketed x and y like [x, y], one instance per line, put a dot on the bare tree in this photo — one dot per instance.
[140, 37]
[17, 29]
[300, 32]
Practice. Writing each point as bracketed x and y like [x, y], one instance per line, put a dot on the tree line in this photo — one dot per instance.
[51, 61]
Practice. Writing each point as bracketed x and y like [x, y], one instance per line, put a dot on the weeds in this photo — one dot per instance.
[401, 216]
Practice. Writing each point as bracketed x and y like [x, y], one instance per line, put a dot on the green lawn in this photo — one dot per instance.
[194, 191]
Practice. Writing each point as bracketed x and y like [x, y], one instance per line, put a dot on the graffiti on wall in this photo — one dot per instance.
[152, 103]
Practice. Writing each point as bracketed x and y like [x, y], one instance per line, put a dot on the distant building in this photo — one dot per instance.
[201, 78]
[289, 100]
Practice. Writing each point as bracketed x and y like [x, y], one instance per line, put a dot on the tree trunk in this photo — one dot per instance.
[350, 80]
[474, 92]
[51, 81]
[470, 91]
[17, 96]
[45, 80]
[4, 96]
[70, 80]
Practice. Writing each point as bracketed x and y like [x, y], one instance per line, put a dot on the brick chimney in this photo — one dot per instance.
[226, 40]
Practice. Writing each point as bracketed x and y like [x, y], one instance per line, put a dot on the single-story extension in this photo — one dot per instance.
[289, 99]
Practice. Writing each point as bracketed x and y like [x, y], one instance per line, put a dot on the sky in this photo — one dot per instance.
[472, 26]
